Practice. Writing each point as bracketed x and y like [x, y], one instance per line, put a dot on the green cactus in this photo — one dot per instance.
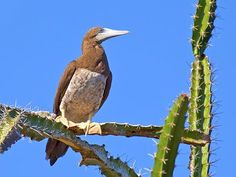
[200, 115]
[203, 25]
[170, 138]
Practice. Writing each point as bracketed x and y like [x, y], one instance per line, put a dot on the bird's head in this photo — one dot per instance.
[98, 34]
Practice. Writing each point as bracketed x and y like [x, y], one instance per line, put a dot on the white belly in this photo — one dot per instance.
[83, 95]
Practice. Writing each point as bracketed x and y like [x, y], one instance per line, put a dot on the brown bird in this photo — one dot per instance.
[83, 88]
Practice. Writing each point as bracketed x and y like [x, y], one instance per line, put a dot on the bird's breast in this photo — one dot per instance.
[83, 95]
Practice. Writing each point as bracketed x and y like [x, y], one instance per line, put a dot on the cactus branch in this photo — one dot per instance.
[117, 129]
[39, 128]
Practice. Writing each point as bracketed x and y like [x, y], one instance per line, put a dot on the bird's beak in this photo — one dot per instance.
[107, 33]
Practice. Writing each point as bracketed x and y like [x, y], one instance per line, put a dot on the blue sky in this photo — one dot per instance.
[151, 67]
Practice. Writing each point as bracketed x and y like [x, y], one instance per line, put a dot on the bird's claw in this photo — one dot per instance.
[88, 127]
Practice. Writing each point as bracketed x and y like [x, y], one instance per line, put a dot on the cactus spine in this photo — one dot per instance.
[170, 138]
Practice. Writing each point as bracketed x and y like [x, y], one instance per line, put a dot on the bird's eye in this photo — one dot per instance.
[100, 30]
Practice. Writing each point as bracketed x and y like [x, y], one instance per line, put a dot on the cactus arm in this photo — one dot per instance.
[203, 25]
[170, 138]
[200, 115]
[194, 137]
[123, 129]
[111, 128]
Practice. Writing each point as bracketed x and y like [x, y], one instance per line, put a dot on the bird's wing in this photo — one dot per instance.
[63, 84]
[107, 89]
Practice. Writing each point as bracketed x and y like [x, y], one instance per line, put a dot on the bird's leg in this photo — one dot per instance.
[92, 127]
[63, 119]
[63, 113]
[87, 124]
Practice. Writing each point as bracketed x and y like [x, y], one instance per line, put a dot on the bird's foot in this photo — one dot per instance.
[64, 121]
[85, 126]
[90, 128]
[95, 128]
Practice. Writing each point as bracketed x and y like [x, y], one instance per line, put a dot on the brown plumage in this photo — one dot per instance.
[84, 86]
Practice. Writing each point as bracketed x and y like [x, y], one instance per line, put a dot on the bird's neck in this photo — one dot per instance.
[92, 47]
[94, 57]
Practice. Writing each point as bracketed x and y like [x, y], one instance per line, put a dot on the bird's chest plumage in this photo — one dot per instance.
[83, 95]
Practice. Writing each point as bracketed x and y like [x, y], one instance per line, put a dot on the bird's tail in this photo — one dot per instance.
[54, 150]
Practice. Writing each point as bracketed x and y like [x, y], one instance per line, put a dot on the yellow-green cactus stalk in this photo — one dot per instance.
[200, 115]
[170, 138]
[203, 26]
